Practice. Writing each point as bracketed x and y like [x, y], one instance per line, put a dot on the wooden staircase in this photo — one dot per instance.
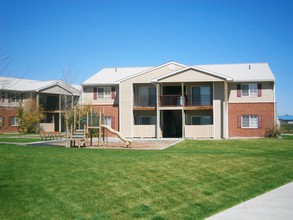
[78, 137]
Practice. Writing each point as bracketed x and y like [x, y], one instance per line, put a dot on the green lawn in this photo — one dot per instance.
[287, 137]
[19, 138]
[191, 180]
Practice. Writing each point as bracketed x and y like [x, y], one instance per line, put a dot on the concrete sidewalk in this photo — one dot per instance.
[274, 205]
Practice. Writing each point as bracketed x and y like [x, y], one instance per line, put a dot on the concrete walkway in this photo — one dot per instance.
[274, 205]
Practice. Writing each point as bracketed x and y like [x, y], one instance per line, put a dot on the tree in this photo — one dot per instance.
[78, 118]
[29, 116]
[69, 100]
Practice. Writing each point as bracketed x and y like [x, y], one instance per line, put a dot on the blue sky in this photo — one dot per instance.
[44, 37]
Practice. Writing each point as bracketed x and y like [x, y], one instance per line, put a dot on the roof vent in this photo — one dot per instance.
[249, 67]
[171, 66]
[115, 69]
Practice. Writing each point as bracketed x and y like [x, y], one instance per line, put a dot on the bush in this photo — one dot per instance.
[272, 131]
[286, 128]
[29, 117]
[94, 132]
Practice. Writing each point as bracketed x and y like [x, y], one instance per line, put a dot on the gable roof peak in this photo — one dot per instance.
[171, 65]
[192, 68]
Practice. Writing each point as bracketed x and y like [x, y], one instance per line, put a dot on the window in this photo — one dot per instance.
[1, 122]
[14, 97]
[146, 96]
[201, 120]
[250, 121]
[201, 95]
[249, 90]
[14, 121]
[108, 121]
[147, 120]
[104, 92]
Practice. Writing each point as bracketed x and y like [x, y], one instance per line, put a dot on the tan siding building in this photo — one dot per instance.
[174, 100]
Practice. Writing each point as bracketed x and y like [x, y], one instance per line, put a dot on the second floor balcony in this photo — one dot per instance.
[144, 101]
[173, 101]
[186, 101]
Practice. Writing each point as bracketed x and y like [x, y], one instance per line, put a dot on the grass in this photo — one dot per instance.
[19, 138]
[191, 180]
[287, 137]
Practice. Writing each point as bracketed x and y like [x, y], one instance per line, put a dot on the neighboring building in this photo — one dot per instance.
[49, 95]
[174, 100]
[285, 119]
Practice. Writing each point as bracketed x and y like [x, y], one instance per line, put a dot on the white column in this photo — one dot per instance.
[60, 113]
[183, 113]
[158, 126]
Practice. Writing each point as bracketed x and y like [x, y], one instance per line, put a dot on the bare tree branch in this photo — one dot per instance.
[6, 80]
[70, 101]
[4, 63]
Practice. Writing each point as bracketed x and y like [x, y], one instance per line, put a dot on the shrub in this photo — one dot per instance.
[286, 128]
[29, 117]
[272, 131]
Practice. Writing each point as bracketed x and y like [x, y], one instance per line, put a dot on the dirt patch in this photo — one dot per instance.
[139, 144]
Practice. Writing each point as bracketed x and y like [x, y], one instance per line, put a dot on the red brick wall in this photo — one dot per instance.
[111, 111]
[6, 113]
[265, 110]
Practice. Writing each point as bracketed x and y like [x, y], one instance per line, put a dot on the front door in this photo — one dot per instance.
[172, 123]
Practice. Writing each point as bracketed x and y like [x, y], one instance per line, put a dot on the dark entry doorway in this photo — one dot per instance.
[172, 123]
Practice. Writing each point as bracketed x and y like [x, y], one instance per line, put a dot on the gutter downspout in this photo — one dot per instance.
[275, 105]
[226, 120]
[214, 112]
[118, 102]
[132, 113]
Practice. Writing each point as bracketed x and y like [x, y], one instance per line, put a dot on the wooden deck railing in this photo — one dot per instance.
[144, 101]
[177, 100]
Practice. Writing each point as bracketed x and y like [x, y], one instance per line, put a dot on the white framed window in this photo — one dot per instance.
[104, 92]
[14, 97]
[249, 90]
[249, 121]
[201, 120]
[108, 121]
[147, 120]
[14, 121]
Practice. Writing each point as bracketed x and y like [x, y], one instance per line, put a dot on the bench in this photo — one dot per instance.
[45, 135]
[51, 135]
[57, 135]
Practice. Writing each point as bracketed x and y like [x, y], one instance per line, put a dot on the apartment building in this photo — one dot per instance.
[50, 95]
[175, 100]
